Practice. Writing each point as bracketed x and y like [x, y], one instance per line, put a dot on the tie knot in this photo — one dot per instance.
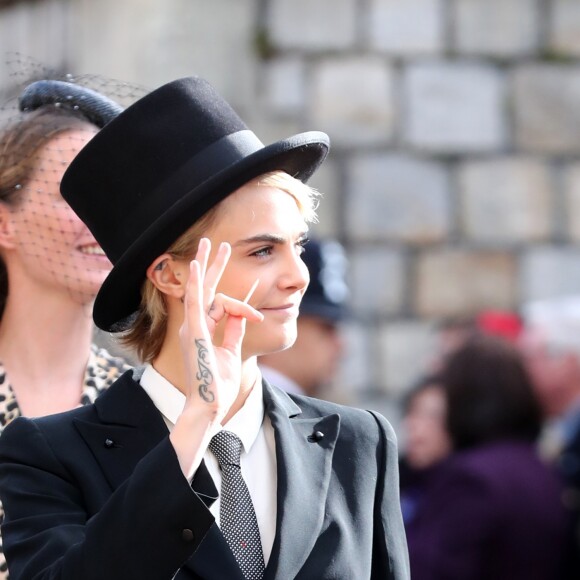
[227, 447]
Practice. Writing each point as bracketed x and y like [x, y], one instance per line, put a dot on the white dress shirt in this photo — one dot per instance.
[258, 459]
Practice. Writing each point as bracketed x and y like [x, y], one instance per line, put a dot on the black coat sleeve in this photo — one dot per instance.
[146, 529]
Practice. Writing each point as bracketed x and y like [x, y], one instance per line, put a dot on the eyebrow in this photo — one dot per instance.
[267, 238]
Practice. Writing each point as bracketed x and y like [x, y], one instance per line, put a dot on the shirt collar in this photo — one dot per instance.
[169, 400]
[275, 377]
[247, 422]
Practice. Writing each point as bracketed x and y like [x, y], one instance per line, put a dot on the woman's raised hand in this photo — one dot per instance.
[214, 372]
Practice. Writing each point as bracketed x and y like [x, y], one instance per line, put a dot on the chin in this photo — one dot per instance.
[262, 339]
[268, 344]
[82, 299]
[288, 341]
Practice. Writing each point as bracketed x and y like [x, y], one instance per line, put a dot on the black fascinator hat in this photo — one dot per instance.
[96, 107]
[155, 169]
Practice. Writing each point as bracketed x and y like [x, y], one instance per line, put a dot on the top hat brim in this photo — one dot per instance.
[120, 295]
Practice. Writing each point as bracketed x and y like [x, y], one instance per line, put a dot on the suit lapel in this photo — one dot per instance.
[304, 467]
[128, 427]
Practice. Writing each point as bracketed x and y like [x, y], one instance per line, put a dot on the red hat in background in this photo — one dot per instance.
[506, 324]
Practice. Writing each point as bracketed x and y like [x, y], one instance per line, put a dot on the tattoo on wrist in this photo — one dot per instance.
[204, 374]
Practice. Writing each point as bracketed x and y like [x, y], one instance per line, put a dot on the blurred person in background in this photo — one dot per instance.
[551, 348]
[311, 364]
[51, 267]
[494, 511]
[425, 442]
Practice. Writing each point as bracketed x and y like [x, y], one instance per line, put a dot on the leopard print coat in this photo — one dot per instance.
[102, 370]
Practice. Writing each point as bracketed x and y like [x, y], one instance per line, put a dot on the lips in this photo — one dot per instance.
[288, 309]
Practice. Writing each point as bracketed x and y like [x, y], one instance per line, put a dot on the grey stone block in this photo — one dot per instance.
[455, 282]
[545, 108]
[325, 180]
[377, 279]
[309, 25]
[565, 27]
[396, 197]
[454, 107]
[284, 86]
[406, 27]
[405, 348]
[499, 28]
[549, 271]
[571, 181]
[352, 100]
[32, 39]
[357, 365]
[172, 39]
[506, 200]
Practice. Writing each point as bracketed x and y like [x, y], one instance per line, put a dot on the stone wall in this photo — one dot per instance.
[454, 179]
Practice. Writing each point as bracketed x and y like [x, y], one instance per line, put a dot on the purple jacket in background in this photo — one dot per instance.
[492, 513]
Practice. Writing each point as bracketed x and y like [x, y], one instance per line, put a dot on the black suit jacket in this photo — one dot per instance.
[97, 493]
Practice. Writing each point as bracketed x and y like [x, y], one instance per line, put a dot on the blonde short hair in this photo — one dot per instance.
[147, 332]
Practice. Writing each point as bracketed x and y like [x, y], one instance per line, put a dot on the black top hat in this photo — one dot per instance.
[327, 292]
[145, 178]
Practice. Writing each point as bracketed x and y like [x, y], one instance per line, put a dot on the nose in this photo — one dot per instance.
[295, 275]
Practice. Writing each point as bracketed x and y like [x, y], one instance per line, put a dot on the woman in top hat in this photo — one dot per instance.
[194, 467]
[51, 267]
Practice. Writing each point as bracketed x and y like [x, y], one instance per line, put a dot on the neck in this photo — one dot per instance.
[44, 347]
[250, 374]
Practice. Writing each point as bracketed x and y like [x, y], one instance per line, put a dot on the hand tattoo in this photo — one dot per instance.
[204, 375]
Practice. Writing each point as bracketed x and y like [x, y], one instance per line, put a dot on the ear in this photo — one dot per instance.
[6, 227]
[168, 275]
